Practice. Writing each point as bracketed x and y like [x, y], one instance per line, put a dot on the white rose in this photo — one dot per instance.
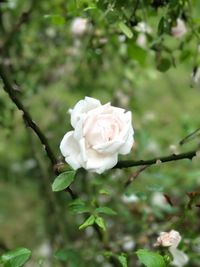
[101, 132]
[180, 29]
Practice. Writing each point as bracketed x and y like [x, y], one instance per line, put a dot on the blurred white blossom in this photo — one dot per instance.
[128, 244]
[180, 29]
[141, 40]
[79, 26]
[158, 200]
[130, 199]
[143, 28]
[172, 239]
[123, 98]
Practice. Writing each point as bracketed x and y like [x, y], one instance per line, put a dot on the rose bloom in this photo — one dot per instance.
[168, 239]
[172, 239]
[180, 29]
[101, 132]
[79, 26]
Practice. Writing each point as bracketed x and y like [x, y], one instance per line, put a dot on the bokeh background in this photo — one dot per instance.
[52, 65]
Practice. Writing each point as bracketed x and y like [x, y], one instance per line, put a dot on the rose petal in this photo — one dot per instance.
[110, 147]
[179, 257]
[81, 107]
[126, 148]
[70, 150]
[99, 163]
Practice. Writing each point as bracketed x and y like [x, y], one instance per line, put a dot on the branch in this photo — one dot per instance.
[29, 122]
[189, 136]
[135, 175]
[173, 157]
[27, 117]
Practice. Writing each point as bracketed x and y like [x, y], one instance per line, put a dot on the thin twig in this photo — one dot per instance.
[174, 157]
[189, 136]
[135, 175]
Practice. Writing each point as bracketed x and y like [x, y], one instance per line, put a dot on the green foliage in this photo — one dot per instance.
[106, 210]
[88, 222]
[63, 181]
[70, 256]
[78, 206]
[150, 259]
[15, 258]
[163, 64]
[51, 68]
[100, 222]
[123, 260]
[125, 29]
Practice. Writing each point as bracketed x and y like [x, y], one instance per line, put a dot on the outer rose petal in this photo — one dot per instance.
[81, 107]
[126, 148]
[70, 150]
[179, 257]
[99, 163]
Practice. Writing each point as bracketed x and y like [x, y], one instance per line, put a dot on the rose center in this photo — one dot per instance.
[101, 129]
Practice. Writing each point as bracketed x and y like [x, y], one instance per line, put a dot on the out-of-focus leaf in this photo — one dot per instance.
[161, 26]
[150, 259]
[123, 260]
[78, 206]
[56, 19]
[137, 53]
[164, 64]
[125, 29]
[71, 256]
[106, 210]
[16, 258]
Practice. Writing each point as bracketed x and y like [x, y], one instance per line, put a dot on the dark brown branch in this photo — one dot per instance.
[173, 157]
[9, 89]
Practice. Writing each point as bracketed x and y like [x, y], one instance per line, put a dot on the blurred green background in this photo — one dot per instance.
[52, 67]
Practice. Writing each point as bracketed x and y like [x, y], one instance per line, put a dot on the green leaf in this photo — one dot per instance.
[71, 256]
[150, 259]
[164, 64]
[89, 221]
[78, 206]
[55, 19]
[63, 180]
[16, 258]
[125, 29]
[161, 26]
[185, 55]
[104, 192]
[123, 260]
[106, 210]
[137, 53]
[100, 222]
